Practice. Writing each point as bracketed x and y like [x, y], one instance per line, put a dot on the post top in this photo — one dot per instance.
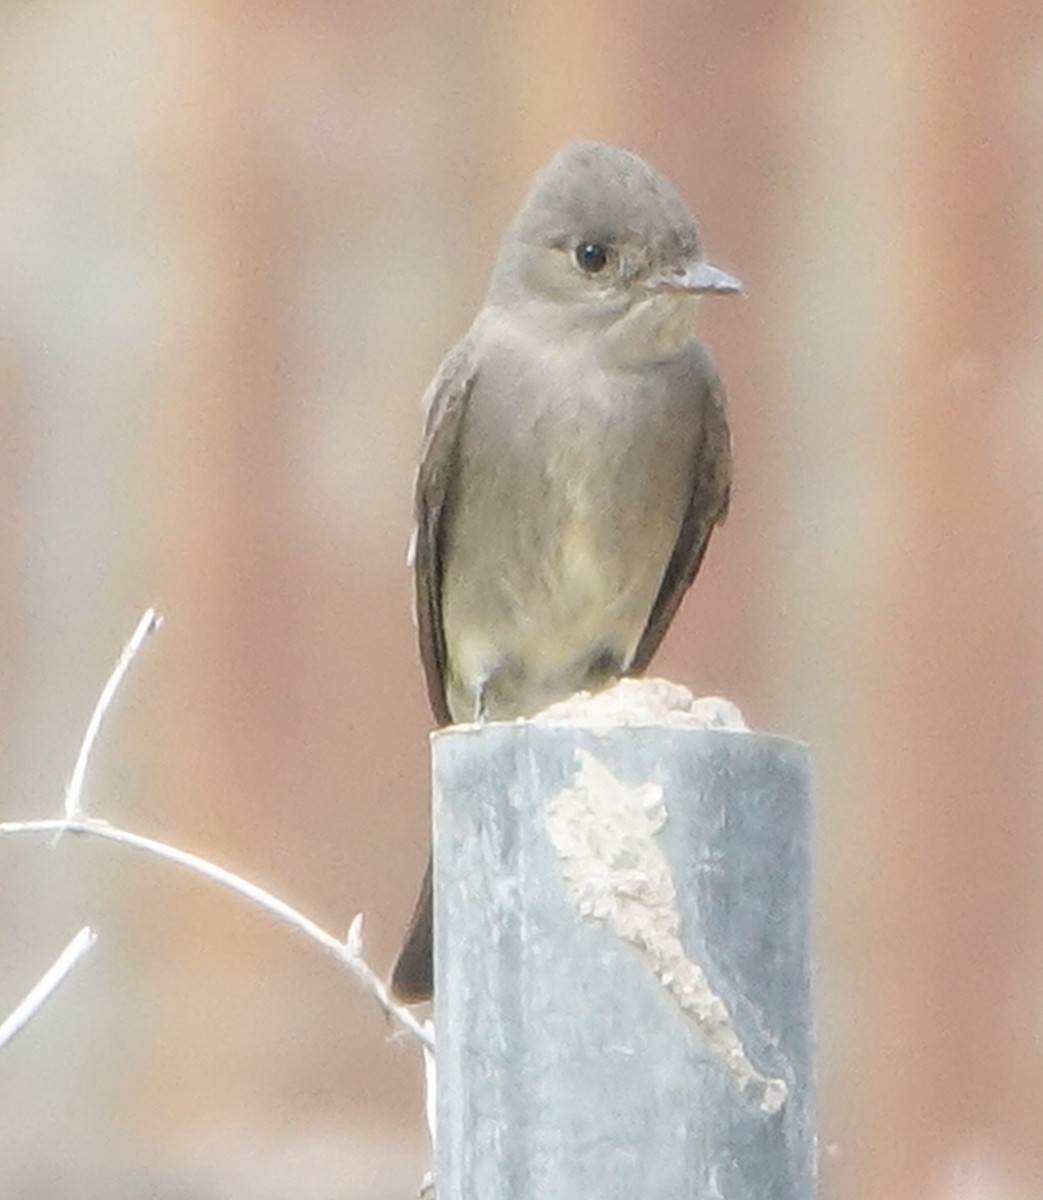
[633, 703]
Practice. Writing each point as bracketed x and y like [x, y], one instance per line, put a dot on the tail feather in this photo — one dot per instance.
[412, 978]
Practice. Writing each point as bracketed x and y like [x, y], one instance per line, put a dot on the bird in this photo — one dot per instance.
[575, 459]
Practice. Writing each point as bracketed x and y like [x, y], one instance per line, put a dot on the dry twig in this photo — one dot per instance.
[47, 984]
[348, 952]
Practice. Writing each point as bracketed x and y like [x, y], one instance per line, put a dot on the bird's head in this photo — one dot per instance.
[604, 243]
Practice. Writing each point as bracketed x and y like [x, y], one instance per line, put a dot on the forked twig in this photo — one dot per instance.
[348, 952]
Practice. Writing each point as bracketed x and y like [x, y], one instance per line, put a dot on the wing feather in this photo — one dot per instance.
[707, 506]
[445, 403]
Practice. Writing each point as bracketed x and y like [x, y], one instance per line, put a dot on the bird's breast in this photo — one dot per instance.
[571, 484]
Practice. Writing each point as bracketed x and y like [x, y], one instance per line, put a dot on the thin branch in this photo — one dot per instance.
[149, 623]
[348, 952]
[48, 983]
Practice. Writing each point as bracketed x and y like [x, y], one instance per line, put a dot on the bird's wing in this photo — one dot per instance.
[444, 403]
[707, 505]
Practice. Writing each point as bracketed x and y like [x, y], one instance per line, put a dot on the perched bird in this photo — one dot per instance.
[576, 458]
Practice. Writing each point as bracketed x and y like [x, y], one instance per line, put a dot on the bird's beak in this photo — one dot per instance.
[698, 278]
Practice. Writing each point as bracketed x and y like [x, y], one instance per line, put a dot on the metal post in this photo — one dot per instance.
[623, 1001]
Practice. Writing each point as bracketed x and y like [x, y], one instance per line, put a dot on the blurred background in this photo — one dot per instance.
[236, 239]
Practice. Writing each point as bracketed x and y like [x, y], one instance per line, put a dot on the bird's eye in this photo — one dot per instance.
[591, 257]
